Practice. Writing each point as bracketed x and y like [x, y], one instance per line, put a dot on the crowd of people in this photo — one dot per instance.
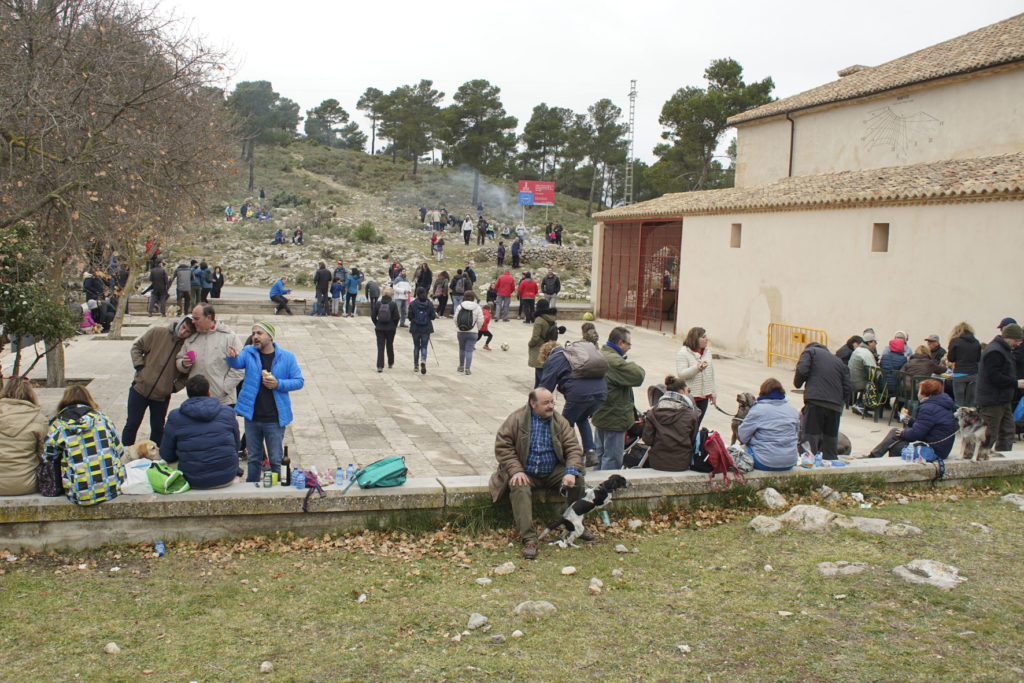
[224, 379]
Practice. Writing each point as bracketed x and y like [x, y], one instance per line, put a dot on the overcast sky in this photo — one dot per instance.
[567, 53]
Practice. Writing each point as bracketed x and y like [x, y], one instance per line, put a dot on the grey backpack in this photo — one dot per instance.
[585, 359]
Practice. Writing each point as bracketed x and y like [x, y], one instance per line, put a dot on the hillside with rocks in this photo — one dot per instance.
[365, 211]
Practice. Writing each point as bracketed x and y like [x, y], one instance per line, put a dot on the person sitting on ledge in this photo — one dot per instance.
[934, 424]
[770, 429]
[671, 428]
[202, 436]
[536, 448]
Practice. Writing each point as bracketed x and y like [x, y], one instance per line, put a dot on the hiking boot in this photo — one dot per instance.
[587, 536]
[590, 458]
[423, 368]
[461, 369]
[530, 550]
[468, 372]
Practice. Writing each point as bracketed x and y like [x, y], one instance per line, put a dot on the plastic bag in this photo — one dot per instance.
[135, 480]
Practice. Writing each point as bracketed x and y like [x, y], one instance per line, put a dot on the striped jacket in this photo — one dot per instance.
[89, 450]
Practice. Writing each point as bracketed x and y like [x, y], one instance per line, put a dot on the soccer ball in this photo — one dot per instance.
[588, 316]
[504, 347]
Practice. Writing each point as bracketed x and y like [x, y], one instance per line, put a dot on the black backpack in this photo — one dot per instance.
[384, 312]
[464, 320]
[420, 315]
[459, 287]
[552, 334]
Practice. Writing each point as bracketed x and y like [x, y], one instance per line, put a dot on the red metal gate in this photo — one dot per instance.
[640, 274]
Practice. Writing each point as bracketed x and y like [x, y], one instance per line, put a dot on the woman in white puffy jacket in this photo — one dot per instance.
[693, 364]
[467, 336]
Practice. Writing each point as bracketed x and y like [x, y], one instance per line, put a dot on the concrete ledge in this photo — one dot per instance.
[242, 509]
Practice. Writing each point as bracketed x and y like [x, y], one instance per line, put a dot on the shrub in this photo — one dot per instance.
[366, 233]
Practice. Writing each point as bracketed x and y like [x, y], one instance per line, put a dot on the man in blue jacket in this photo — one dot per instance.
[202, 435]
[277, 295]
[270, 373]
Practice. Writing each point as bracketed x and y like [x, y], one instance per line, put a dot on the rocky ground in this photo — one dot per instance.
[244, 252]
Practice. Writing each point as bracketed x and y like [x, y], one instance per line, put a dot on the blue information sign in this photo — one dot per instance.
[526, 198]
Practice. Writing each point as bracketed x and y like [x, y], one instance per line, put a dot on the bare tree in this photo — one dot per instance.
[113, 127]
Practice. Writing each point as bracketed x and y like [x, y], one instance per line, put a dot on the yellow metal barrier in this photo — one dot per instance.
[788, 341]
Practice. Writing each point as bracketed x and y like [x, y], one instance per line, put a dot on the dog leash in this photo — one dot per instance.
[723, 412]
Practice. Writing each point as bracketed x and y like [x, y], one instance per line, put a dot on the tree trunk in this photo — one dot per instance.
[373, 136]
[415, 163]
[476, 187]
[593, 179]
[55, 364]
[122, 304]
[17, 356]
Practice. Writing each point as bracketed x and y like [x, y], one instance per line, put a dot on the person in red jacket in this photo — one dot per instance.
[527, 295]
[484, 332]
[504, 286]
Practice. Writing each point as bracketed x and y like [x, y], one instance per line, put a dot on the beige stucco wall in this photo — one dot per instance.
[597, 240]
[981, 116]
[945, 263]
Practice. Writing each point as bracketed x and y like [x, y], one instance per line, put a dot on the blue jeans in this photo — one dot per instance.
[758, 465]
[467, 341]
[256, 433]
[609, 448]
[456, 300]
[419, 347]
[403, 309]
[501, 310]
[578, 414]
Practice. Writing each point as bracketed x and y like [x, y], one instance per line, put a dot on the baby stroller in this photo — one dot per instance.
[635, 451]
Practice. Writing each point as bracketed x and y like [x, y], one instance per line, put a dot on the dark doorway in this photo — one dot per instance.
[640, 274]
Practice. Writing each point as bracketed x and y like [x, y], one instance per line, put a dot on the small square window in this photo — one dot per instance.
[736, 235]
[880, 237]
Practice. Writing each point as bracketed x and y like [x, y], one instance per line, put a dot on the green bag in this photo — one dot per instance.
[165, 479]
[385, 472]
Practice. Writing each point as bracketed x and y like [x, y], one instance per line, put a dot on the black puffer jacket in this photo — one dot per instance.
[825, 375]
[964, 352]
[997, 374]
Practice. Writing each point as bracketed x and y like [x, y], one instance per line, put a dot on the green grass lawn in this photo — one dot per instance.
[213, 612]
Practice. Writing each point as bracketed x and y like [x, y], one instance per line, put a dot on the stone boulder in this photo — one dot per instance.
[772, 498]
[765, 525]
[808, 517]
[841, 568]
[930, 572]
[1014, 499]
[535, 608]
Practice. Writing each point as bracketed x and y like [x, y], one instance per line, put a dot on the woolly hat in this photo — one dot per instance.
[1012, 331]
[897, 346]
[869, 337]
[1006, 321]
[267, 327]
[543, 306]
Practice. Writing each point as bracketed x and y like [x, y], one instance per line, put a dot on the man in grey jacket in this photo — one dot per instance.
[183, 282]
[205, 351]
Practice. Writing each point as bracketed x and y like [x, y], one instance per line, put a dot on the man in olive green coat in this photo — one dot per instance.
[536, 448]
[615, 415]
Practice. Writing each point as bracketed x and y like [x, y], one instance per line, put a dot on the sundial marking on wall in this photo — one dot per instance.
[899, 132]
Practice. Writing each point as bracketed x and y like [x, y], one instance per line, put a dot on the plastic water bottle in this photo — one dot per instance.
[299, 479]
[817, 460]
[350, 472]
[339, 476]
[159, 549]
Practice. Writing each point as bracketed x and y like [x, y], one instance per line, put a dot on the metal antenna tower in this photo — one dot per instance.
[627, 195]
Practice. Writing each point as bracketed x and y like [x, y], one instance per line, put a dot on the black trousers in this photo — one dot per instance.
[442, 304]
[282, 304]
[385, 343]
[527, 307]
[821, 429]
[350, 302]
[484, 333]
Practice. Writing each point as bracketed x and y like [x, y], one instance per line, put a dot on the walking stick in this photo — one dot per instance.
[432, 351]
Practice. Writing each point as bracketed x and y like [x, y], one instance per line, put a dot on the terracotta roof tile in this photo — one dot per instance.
[997, 177]
[999, 43]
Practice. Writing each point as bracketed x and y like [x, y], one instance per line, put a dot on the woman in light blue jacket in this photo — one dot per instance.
[770, 429]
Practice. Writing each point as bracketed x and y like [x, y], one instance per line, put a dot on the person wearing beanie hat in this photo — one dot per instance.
[1004, 322]
[997, 385]
[271, 373]
[545, 329]
[892, 362]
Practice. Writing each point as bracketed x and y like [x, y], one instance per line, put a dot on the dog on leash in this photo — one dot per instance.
[973, 433]
[744, 402]
[572, 518]
[147, 449]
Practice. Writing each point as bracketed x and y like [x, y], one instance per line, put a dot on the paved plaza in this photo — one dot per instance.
[443, 422]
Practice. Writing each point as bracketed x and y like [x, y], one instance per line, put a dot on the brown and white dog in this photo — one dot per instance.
[143, 449]
[744, 402]
[973, 433]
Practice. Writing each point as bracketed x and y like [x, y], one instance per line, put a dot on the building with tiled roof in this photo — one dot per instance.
[889, 198]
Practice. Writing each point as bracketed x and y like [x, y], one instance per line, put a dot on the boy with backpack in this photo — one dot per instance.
[421, 313]
[385, 322]
[468, 319]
